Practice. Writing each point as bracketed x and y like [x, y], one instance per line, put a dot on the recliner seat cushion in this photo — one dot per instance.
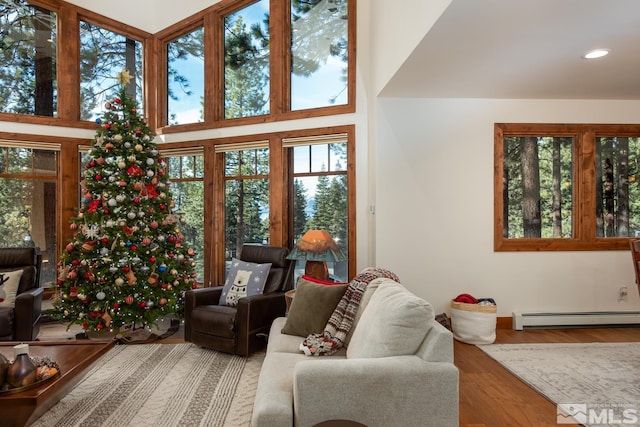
[216, 320]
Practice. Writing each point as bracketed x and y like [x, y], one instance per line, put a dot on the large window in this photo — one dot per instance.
[28, 202]
[186, 172]
[566, 187]
[104, 54]
[28, 57]
[185, 78]
[319, 53]
[320, 192]
[246, 61]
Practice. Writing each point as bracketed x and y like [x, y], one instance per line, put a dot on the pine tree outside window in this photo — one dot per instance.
[566, 187]
[103, 53]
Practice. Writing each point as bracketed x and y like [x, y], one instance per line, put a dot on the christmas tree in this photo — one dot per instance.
[125, 265]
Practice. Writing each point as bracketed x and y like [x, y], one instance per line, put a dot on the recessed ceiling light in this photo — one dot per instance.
[596, 53]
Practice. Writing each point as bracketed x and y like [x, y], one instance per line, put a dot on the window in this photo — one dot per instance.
[185, 78]
[28, 180]
[28, 56]
[320, 192]
[103, 54]
[566, 187]
[186, 171]
[246, 61]
[246, 192]
[319, 53]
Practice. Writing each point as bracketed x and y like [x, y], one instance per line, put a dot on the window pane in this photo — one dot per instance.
[28, 205]
[246, 61]
[103, 54]
[319, 41]
[188, 197]
[186, 78]
[320, 200]
[28, 58]
[246, 199]
[538, 187]
[617, 187]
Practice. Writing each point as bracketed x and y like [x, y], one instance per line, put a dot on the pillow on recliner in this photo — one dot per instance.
[9, 283]
[394, 323]
[311, 308]
[245, 279]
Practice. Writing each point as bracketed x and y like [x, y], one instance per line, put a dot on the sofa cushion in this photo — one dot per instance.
[366, 297]
[394, 323]
[9, 282]
[244, 279]
[312, 307]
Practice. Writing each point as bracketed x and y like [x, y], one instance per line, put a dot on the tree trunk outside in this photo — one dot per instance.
[532, 225]
[622, 216]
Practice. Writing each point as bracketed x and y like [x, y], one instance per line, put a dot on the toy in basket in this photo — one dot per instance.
[473, 321]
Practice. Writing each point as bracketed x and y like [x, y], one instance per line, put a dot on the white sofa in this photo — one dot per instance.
[397, 370]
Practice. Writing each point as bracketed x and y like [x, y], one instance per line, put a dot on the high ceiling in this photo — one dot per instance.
[526, 49]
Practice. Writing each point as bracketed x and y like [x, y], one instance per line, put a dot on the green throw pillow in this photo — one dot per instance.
[312, 307]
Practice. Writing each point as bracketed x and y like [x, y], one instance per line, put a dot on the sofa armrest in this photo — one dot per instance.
[27, 312]
[398, 391]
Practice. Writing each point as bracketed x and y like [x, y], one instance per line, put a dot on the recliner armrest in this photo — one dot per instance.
[202, 296]
[398, 390]
[27, 311]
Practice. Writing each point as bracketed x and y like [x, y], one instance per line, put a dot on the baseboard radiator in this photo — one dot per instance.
[533, 320]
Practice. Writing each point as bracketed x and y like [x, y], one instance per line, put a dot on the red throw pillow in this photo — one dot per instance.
[322, 282]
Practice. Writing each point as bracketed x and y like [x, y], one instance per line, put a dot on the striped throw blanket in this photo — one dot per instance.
[341, 321]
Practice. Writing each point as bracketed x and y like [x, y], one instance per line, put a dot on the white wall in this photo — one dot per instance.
[434, 213]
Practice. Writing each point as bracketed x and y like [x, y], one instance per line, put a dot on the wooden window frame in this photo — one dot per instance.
[584, 201]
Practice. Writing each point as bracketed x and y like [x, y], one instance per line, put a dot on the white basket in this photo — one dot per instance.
[473, 323]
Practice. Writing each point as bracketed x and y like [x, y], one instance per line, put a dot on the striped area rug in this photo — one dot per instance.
[161, 385]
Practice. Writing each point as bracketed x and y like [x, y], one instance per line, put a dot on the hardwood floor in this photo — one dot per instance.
[491, 396]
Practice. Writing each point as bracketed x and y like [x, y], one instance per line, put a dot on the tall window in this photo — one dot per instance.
[566, 187]
[187, 188]
[319, 53]
[246, 61]
[185, 78]
[28, 179]
[246, 191]
[320, 192]
[103, 54]
[28, 56]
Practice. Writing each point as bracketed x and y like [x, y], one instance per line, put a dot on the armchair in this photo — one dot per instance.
[239, 330]
[20, 323]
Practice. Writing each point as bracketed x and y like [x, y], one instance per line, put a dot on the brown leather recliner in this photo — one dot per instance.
[21, 323]
[240, 330]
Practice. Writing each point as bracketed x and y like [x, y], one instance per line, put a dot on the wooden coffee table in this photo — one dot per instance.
[74, 359]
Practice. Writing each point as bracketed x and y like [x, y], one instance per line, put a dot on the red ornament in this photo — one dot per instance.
[75, 262]
[163, 206]
[99, 326]
[115, 306]
[117, 100]
[85, 325]
[143, 304]
[133, 247]
[152, 259]
[105, 240]
[98, 177]
[136, 200]
[107, 125]
[129, 299]
[194, 286]
[126, 269]
[171, 239]
[105, 211]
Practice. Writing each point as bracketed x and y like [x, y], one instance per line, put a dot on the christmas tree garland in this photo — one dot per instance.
[126, 263]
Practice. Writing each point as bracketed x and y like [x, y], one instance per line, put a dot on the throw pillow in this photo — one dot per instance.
[312, 307]
[395, 322]
[244, 279]
[9, 282]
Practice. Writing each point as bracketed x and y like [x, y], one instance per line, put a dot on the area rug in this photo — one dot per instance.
[596, 382]
[161, 385]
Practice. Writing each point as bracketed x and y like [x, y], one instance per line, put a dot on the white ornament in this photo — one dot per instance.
[122, 164]
[120, 198]
[127, 144]
[117, 138]
[150, 161]
[100, 295]
[150, 173]
[131, 215]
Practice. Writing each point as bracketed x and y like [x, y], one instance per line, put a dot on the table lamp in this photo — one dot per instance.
[317, 248]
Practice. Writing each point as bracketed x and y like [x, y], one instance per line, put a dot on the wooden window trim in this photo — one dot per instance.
[584, 221]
